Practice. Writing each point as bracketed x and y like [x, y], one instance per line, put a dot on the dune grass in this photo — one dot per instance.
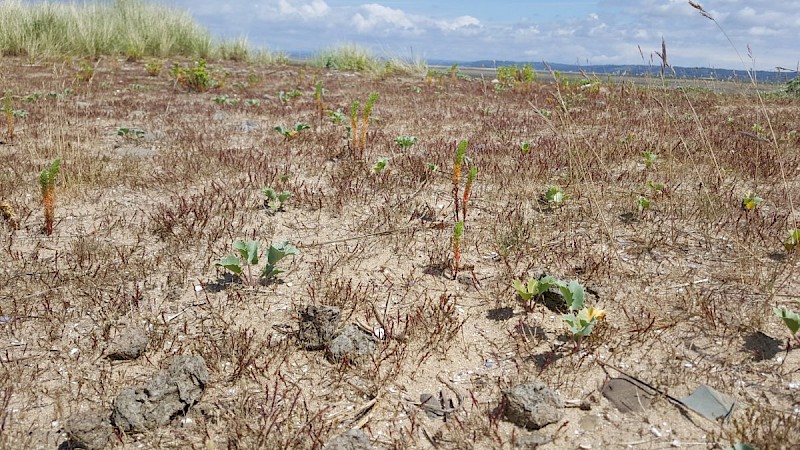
[361, 59]
[131, 28]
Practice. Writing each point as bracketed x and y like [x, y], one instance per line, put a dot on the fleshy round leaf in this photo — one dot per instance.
[231, 263]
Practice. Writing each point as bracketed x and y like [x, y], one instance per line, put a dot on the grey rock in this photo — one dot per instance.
[352, 344]
[533, 405]
[90, 430]
[352, 440]
[170, 393]
[130, 344]
[532, 440]
[317, 326]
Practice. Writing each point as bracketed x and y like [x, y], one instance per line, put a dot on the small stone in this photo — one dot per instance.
[531, 441]
[352, 440]
[90, 430]
[352, 344]
[533, 405]
[130, 344]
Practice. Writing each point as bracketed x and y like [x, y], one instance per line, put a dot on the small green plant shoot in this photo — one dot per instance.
[275, 200]
[790, 318]
[555, 195]
[47, 182]
[291, 133]
[650, 158]
[533, 288]
[380, 165]
[582, 323]
[132, 134]
[751, 201]
[359, 132]
[643, 203]
[243, 263]
[793, 241]
[319, 92]
[336, 116]
[405, 142]
[524, 148]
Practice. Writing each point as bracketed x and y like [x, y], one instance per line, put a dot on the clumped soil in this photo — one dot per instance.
[688, 284]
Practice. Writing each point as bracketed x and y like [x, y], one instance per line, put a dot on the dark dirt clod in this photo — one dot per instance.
[168, 394]
[317, 326]
[89, 429]
[533, 405]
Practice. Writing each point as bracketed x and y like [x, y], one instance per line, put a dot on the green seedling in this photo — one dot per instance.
[790, 318]
[793, 241]
[224, 100]
[336, 116]
[433, 167]
[533, 288]
[197, 78]
[555, 195]
[573, 294]
[275, 200]
[286, 97]
[380, 165]
[319, 92]
[643, 203]
[405, 142]
[359, 132]
[243, 263]
[524, 148]
[650, 158]
[252, 102]
[47, 183]
[582, 323]
[751, 201]
[154, 68]
[276, 253]
[656, 186]
[291, 133]
[132, 134]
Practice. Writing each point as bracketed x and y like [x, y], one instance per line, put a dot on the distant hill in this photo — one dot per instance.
[636, 70]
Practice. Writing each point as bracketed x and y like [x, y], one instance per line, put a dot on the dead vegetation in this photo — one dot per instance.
[141, 219]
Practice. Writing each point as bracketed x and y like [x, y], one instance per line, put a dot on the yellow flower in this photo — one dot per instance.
[596, 313]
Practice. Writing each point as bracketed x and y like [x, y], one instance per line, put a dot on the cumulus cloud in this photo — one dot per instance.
[610, 33]
[459, 23]
[312, 10]
[374, 16]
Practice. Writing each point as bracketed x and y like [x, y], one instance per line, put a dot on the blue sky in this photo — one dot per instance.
[585, 32]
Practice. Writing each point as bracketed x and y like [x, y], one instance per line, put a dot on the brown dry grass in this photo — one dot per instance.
[139, 224]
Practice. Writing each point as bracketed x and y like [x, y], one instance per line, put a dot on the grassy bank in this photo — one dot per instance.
[125, 27]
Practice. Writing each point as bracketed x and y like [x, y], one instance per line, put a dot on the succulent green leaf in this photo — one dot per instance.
[230, 262]
[279, 251]
[790, 318]
[573, 294]
[248, 251]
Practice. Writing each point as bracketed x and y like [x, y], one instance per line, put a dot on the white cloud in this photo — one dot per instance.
[312, 10]
[377, 16]
[458, 23]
